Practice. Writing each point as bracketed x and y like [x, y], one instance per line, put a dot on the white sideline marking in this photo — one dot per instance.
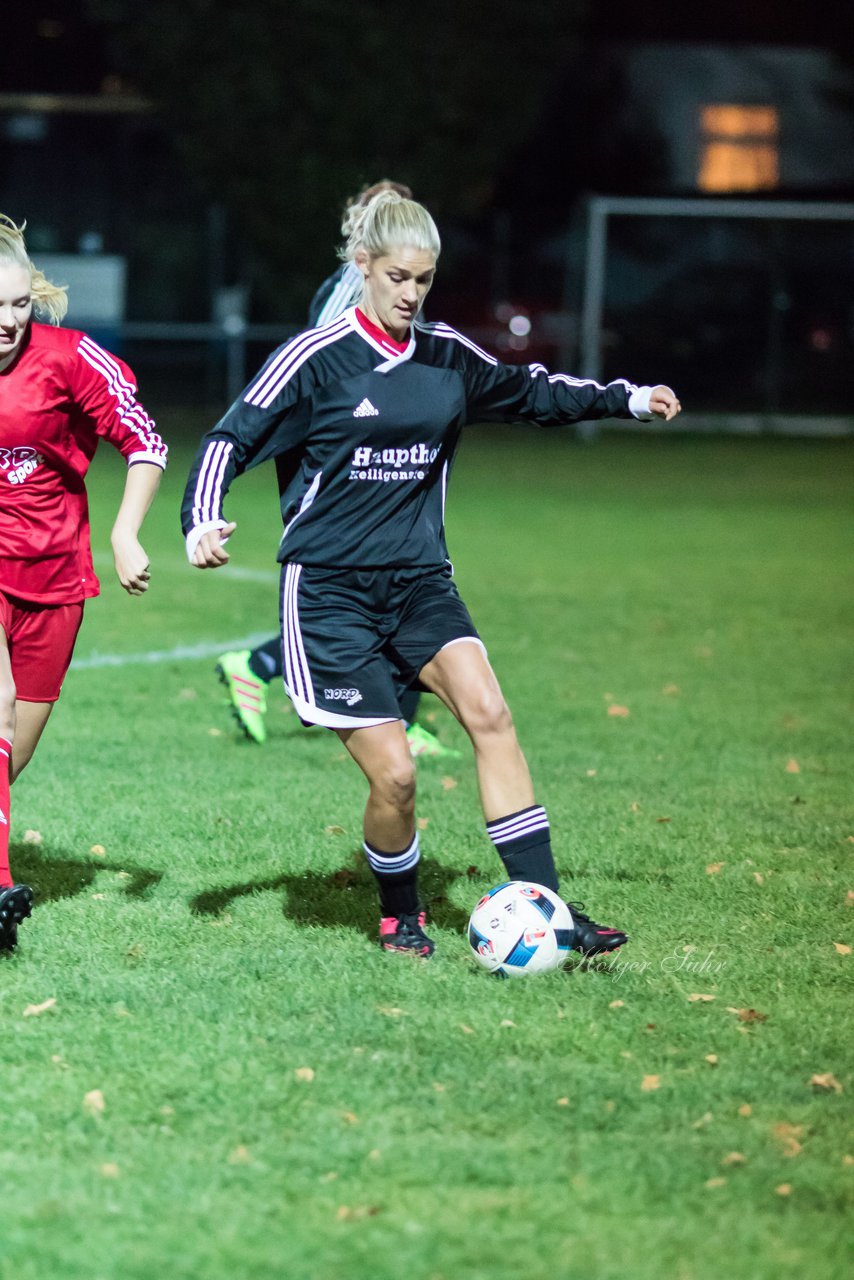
[103, 560]
[181, 652]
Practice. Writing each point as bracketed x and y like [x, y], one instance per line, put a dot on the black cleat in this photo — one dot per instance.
[406, 933]
[590, 938]
[16, 903]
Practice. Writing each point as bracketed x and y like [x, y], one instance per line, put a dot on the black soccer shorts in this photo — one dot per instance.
[354, 639]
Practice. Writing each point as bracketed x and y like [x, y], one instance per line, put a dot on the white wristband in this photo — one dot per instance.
[198, 531]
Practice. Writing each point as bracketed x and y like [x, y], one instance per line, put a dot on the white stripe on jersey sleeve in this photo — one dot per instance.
[279, 373]
[536, 369]
[440, 330]
[130, 412]
[206, 498]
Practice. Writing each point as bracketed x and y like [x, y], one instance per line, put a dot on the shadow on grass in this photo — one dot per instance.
[347, 897]
[53, 877]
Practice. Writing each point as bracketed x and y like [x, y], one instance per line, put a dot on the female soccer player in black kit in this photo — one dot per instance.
[246, 673]
[363, 417]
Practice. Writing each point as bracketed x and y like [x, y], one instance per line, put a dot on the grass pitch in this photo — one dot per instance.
[210, 1070]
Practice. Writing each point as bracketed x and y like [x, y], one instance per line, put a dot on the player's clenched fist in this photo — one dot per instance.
[663, 403]
[210, 552]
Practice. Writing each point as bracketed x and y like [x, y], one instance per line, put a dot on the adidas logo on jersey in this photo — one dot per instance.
[366, 410]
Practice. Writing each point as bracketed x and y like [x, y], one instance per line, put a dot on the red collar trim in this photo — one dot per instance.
[386, 341]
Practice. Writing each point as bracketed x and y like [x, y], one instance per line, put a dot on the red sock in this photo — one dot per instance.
[6, 880]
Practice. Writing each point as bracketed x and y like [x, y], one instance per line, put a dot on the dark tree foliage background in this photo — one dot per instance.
[278, 110]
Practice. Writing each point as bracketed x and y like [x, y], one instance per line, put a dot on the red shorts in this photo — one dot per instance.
[40, 638]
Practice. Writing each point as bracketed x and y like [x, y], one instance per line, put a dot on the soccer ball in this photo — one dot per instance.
[520, 928]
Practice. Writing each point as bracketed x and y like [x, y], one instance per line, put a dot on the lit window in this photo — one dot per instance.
[739, 148]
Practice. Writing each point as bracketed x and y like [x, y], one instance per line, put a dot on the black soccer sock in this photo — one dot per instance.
[524, 845]
[266, 661]
[397, 877]
[408, 703]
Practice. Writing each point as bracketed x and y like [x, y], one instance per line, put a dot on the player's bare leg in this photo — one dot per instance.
[15, 900]
[31, 719]
[391, 842]
[460, 674]
[382, 753]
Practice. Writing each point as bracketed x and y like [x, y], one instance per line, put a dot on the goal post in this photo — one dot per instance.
[770, 323]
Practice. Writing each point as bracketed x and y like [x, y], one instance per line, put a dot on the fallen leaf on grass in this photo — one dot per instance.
[98, 850]
[422, 824]
[214, 733]
[347, 1214]
[705, 1119]
[843, 948]
[563, 1102]
[334, 830]
[109, 1170]
[616, 710]
[349, 1117]
[58, 1061]
[792, 766]
[390, 1010]
[93, 1102]
[32, 837]
[240, 1155]
[590, 773]
[664, 819]
[711, 1183]
[849, 898]
[439, 1088]
[848, 1161]
[745, 1110]
[617, 1004]
[784, 1189]
[469, 1031]
[634, 807]
[304, 1073]
[472, 871]
[712, 868]
[712, 1059]
[733, 1158]
[758, 877]
[787, 1135]
[448, 784]
[697, 996]
[826, 1081]
[506, 1022]
[748, 1015]
[650, 1083]
[33, 1010]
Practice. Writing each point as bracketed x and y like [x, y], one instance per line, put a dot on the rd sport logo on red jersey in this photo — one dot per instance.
[19, 463]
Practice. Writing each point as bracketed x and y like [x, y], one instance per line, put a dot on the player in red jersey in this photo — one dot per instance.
[59, 394]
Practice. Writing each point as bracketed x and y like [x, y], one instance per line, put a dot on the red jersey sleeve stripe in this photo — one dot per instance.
[128, 409]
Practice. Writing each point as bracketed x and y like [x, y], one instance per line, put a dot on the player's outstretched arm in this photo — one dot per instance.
[131, 561]
[663, 403]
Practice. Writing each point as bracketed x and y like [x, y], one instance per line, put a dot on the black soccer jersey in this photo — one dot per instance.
[364, 430]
